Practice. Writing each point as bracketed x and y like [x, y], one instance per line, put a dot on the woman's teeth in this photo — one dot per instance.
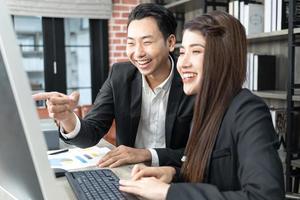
[189, 75]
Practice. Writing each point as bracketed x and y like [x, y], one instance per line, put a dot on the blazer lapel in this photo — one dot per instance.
[176, 92]
[135, 106]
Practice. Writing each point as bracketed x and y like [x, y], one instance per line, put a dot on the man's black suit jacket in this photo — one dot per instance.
[120, 98]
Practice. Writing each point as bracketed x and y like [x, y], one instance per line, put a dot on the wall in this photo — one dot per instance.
[118, 29]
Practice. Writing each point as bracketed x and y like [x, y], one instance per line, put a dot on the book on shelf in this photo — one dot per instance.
[253, 19]
[276, 14]
[264, 72]
[261, 72]
[250, 13]
[279, 15]
[267, 15]
[279, 120]
[234, 8]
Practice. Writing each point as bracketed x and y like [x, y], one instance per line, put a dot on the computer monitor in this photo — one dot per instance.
[24, 168]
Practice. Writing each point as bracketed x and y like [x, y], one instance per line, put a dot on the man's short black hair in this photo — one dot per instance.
[164, 18]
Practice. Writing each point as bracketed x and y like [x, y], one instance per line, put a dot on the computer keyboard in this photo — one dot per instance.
[95, 184]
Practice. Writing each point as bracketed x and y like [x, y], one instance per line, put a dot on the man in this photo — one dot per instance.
[144, 96]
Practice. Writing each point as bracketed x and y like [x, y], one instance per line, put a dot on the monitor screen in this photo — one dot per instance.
[16, 169]
[24, 168]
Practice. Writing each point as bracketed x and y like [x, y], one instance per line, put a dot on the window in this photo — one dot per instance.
[77, 47]
[58, 54]
[30, 38]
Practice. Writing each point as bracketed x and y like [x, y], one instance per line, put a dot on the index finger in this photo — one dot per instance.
[136, 169]
[145, 172]
[44, 95]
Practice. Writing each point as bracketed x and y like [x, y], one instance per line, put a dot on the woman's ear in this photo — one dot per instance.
[171, 41]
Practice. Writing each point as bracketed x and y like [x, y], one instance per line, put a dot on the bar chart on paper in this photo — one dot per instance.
[77, 158]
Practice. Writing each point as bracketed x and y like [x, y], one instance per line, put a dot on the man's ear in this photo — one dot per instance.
[171, 41]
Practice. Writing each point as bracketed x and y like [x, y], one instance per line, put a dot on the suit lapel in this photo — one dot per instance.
[176, 92]
[135, 106]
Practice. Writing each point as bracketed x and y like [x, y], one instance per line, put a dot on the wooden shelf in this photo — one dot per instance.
[271, 94]
[269, 36]
[275, 94]
[184, 5]
[176, 3]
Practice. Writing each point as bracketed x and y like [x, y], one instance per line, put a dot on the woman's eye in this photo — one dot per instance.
[196, 52]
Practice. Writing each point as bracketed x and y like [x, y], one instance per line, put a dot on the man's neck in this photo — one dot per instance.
[159, 76]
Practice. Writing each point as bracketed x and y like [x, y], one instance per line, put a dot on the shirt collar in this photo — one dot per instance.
[166, 84]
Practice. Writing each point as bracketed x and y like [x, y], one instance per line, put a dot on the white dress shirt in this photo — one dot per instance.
[151, 129]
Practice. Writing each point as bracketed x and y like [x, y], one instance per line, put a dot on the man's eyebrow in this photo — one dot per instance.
[144, 37]
[147, 36]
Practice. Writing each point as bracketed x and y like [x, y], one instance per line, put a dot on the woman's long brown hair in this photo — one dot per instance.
[224, 72]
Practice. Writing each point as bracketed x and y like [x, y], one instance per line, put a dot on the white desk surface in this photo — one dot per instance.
[122, 172]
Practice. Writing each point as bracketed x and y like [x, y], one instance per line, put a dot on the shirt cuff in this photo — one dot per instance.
[154, 160]
[74, 133]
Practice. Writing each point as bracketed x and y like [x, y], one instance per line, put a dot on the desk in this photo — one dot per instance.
[122, 172]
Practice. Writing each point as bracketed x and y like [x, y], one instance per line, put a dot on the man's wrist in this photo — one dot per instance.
[146, 156]
[68, 124]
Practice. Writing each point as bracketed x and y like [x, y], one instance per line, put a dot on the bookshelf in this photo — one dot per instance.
[273, 43]
[270, 36]
[292, 134]
[276, 94]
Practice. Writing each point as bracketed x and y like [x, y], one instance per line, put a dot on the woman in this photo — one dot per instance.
[231, 153]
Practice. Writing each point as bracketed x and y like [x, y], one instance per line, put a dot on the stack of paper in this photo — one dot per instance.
[77, 158]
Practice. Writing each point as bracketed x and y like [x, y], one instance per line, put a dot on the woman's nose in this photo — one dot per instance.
[185, 62]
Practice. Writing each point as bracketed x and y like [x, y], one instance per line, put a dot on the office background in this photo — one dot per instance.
[74, 51]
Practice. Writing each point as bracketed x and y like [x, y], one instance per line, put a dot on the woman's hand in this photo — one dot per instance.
[164, 174]
[145, 188]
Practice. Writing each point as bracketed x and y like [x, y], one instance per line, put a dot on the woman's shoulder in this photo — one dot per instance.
[248, 117]
[246, 108]
[245, 99]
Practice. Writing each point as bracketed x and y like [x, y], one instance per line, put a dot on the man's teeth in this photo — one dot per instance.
[142, 62]
[189, 75]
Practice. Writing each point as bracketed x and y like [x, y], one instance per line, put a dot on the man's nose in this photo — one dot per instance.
[139, 50]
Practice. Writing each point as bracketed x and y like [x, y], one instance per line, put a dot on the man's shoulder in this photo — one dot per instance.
[123, 72]
[123, 67]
